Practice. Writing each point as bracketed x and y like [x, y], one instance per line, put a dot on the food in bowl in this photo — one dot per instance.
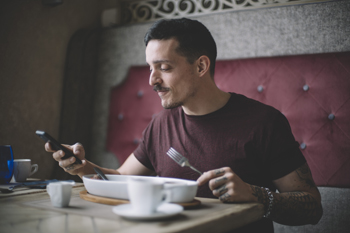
[116, 187]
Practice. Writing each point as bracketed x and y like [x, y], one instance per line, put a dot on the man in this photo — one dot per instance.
[245, 148]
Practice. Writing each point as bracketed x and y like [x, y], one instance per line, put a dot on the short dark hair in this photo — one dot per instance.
[194, 38]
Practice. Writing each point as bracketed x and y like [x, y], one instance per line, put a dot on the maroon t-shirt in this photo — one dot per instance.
[253, 139]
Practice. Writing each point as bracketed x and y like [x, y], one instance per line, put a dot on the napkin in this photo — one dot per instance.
[32, 184]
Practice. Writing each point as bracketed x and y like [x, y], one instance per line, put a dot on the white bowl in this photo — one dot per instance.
[116, 187]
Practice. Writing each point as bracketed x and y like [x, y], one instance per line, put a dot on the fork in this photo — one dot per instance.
[178, 158]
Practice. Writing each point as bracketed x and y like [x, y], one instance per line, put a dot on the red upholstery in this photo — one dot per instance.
[312, 91]
[131, 108]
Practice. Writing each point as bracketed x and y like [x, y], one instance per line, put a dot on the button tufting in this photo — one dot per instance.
[120, 116]
[136, 141]
[305, 87]
[260, 88]
[331, 116]
[139, 93]
[302, 146]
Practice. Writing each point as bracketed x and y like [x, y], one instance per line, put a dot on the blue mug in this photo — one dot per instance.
[6, 164]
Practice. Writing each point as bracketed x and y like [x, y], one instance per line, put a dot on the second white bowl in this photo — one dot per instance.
[116, 187]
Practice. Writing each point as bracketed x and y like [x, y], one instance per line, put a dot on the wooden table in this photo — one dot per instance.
[210, 216]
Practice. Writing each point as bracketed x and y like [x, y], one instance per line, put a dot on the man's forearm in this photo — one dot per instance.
[296, 208]
[89, 169]
[290, 208]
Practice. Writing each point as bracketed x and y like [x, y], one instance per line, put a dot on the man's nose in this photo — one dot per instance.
[154, 78]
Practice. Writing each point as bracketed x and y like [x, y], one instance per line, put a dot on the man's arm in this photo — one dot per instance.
[297, 203]
[130, 167]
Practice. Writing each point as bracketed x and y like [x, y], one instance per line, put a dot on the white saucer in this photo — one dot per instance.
[164, 211]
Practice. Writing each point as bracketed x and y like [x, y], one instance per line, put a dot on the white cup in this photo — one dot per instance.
[60, 193]
[23, 168]
[147, 195]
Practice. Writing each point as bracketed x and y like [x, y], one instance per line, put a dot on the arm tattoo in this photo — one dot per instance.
[293, 208]
[302, 208]
[290, 208]
[304, 174]
[261, 195]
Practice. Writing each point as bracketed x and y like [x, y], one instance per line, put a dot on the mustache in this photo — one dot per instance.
[160, 88]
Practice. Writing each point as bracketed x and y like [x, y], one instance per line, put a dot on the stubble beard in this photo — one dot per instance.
[169, 104]
[164, 102]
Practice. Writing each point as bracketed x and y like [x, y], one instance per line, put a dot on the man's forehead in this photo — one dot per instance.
[161, 50]
[168, 44]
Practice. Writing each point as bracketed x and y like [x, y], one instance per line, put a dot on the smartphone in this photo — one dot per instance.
[57, 146]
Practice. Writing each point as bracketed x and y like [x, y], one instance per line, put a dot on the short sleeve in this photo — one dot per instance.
[284, 155]
[141, 152]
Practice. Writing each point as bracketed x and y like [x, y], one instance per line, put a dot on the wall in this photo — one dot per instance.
[279, 31]
[33, 44]
[34, 39]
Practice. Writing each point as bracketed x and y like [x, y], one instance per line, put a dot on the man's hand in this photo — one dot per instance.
[67, 164]
[297, 203]
[227, 186]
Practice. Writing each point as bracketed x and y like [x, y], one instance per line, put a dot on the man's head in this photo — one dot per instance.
[194, 38]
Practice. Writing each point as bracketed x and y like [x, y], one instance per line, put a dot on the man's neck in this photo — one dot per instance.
[208, 101]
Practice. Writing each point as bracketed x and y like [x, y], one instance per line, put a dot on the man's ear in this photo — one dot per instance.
[203, 64]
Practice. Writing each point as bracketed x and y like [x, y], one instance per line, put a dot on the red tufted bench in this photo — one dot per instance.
[312, 91]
